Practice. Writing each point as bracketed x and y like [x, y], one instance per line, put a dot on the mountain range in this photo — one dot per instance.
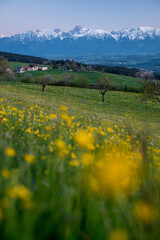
[83, 41]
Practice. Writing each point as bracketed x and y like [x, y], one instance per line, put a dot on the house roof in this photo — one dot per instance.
[26, 67]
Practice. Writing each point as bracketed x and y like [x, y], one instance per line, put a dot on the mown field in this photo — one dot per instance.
[72, 167]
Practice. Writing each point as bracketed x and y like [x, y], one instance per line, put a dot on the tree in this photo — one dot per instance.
[3, 65]
[27, 78]
[146, 75]
[104, 85]
[151, 87]
[67, 79]
[47, 79]
[83, 82]
[44, 80]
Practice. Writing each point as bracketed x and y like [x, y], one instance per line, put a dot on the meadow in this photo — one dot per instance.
[118, 81]
[14, 65]
[72, 167]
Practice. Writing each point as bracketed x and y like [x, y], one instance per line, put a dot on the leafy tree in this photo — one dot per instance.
[103, 85]
[74, 65]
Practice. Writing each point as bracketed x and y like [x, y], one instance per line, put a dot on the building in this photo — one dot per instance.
[8, 69]
[42, 68]
[20, 70]
[27, 68]
[34, 67]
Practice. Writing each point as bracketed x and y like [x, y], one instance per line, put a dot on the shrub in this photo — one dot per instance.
[83, 82]
[27, 78]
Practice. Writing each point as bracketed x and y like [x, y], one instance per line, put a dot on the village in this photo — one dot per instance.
[31, 67]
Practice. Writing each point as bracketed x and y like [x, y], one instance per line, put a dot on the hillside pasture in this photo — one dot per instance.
[74, 168]
[117, 81]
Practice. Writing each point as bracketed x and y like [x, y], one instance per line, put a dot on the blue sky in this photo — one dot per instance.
[20, 15]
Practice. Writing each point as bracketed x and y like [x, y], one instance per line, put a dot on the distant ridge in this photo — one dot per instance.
[83, 41]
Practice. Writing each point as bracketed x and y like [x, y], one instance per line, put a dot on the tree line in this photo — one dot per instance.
[72, 65]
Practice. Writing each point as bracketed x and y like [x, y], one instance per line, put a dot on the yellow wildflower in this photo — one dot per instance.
[117, 172]
[74, 163]
[61, 148]
[87, 159]
[29, 130]
[47, 128]
[85, 140]
[73, 155]
[52, 116]
[110, 130]
[20, 192]
[10, 152]
[29, 158]
[6, 173]
[1, 215]
[63, 108]
[145, 212]
[119, 235]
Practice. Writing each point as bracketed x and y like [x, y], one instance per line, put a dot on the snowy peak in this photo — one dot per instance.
[77, 29]
[83, 41]
[140, 33]
[2, 36]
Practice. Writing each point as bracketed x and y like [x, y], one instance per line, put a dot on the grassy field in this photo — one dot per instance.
[14, 65]
[74, 168]
[116, 80]
[117, 104]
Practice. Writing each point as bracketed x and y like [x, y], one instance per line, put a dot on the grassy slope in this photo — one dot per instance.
[88, 103]
[117, 80]
[41, 183]
[14, 65]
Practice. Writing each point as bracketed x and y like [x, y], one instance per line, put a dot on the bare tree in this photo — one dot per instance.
[151, 87]
[103, 84]
[67, 78]
[47, 79]
[3, 65]
[146, 75]
[11, 76]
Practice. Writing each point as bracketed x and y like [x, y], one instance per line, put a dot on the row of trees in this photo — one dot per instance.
[151, 88]
[73, 65]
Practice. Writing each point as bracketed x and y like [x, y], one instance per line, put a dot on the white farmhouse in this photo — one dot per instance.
[42, 68]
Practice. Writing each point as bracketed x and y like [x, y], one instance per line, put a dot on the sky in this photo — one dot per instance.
[17, 16]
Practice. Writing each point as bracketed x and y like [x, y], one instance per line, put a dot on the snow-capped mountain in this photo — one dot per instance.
[83, 41]
[79, 32]
[2, 36]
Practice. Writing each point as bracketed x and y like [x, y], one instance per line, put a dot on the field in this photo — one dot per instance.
[75, 168]
[14, 65]
[119, 81]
